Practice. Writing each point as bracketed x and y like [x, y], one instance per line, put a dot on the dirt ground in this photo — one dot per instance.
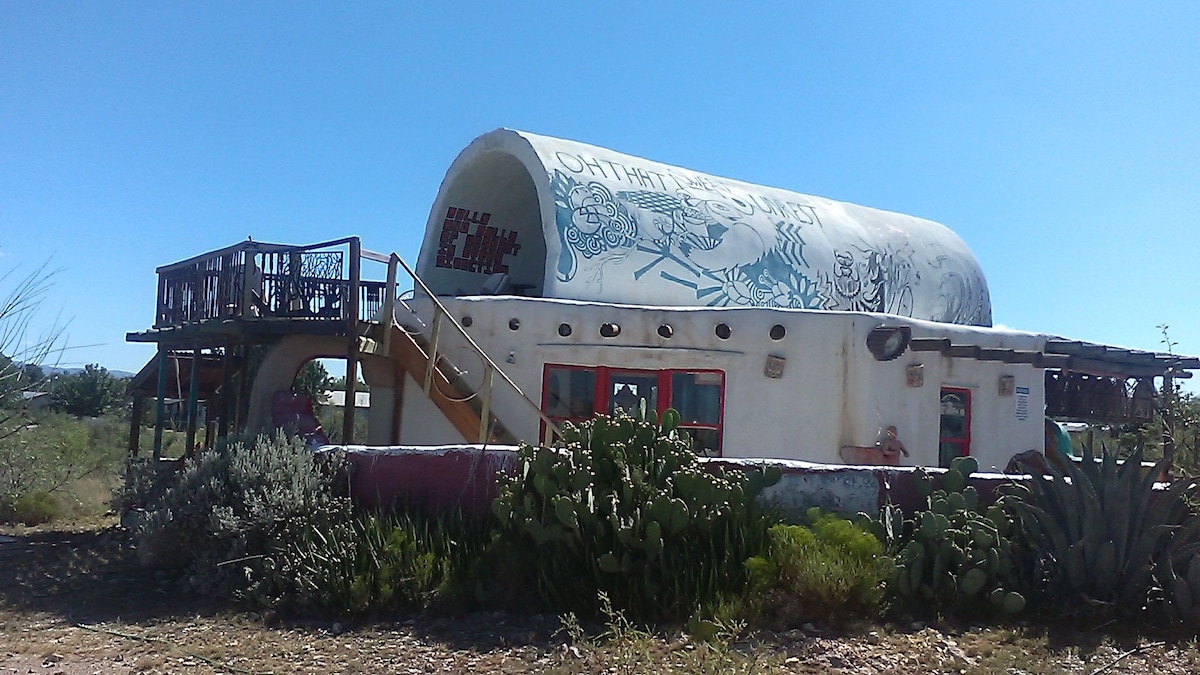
[76, 603]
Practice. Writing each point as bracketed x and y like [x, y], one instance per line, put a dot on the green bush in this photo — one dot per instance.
[31, 508]
[833, 568]
[359, 563]
[222, 514]
[625, 509]
[332, 418]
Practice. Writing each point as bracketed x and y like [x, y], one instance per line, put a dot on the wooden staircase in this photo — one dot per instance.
[418, 355]
[462, 406]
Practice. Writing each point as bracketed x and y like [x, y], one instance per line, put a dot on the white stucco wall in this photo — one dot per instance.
[832, 393]
[421, 423]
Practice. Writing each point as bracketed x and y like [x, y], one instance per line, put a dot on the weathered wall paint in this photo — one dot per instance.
[832, 393]
[441, 479]
[569, 220]
[434, 479]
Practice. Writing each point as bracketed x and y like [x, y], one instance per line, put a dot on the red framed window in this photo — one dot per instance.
[576, 393]
[954, 436]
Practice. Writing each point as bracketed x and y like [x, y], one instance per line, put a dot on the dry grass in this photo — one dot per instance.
[75, 602]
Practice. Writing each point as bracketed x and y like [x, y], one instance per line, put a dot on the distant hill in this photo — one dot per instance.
[51, 371]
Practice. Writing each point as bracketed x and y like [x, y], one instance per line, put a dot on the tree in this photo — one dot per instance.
[88, 393]
[1176, 424]
[313, 380]
[339, 384]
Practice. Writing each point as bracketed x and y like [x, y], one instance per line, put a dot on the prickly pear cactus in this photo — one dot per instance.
[952, 555]
[624, 507]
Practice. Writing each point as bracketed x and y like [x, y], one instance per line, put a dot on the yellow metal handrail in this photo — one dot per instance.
[393, 262]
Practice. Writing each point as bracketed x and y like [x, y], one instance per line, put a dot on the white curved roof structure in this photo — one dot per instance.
[567, 220]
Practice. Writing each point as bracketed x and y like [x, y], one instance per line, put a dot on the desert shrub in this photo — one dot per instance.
[221, 514]
[1108, 542]
[952, 555]
[30, 508]
[624, 508]
[354, 563]
[50, 457]
[832, 568]
[331, 419]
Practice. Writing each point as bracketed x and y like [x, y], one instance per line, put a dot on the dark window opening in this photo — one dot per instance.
[576, 393]
[954, 435]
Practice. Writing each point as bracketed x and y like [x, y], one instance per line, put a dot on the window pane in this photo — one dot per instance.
[570, 392]
[954, 415]
[697, 397]
[705, 442]
[947, 451]
[626, 390]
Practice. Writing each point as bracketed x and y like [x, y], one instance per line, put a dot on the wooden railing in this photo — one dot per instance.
[254, 280]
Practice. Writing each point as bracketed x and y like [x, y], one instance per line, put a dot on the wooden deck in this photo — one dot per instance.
[216, 307]
[263, 290]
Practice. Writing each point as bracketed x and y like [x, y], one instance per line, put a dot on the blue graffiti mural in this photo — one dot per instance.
[710, 240]
[700, 242]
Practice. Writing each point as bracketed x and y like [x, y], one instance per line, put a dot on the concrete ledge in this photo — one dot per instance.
[432, 478]
[446, 477]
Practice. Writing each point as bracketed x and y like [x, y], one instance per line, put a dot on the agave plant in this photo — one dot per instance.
[1107, 537]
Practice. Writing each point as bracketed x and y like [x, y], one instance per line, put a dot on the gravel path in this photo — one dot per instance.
[75, 603]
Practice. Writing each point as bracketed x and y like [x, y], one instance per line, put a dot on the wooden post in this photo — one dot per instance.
[226, 394]
[135, 426]
[399, 376]
[160, 417]
[249, 282]
[193, 404]
[243, 389]
[485, 405]
[389, 303]
[352, 347]
[397, 399]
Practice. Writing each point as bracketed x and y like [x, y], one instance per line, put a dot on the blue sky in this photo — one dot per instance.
[1059, 140]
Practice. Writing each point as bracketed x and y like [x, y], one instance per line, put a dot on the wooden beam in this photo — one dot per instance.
[240, 405]
[1116, 369]
[350, 306]
[226, 394]
[987, 354]
[1052, 361]
[397, 401]
[135, 425]
[193, 404]
[1058, 346]
[160, 410]
[929, 344]
[962, 351]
